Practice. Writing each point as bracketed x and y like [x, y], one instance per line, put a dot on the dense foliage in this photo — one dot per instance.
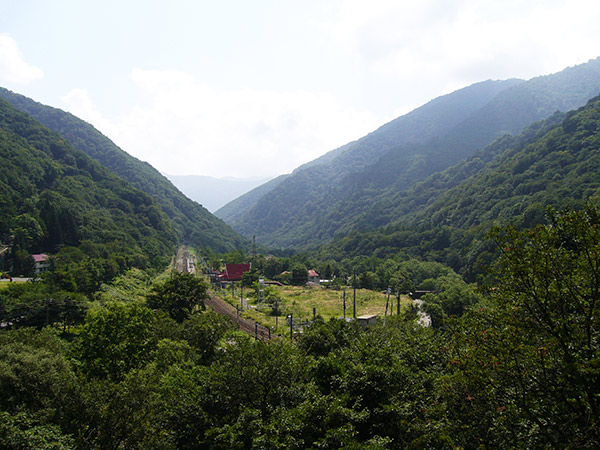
[517, 370]
[192, 223]
[179, 296]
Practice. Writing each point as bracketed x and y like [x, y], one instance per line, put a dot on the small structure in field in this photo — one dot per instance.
[416, 295]
[367, 320]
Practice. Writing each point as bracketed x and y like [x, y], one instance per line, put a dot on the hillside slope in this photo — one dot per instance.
[54, 195]
[321, 201]
[432, 119]
[236, 208]
[193, 223]
[446, 217]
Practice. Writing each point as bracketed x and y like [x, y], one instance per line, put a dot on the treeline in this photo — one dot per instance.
[517, 369]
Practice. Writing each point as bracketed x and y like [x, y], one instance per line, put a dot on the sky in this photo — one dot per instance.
[239, 88]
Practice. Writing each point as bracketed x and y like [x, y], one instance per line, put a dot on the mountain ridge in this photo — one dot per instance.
[312, 205]
[193, 223]
[54, 195]
[447, 217]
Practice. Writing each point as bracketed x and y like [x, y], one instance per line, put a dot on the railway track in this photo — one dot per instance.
[187, 263]
[246, 325]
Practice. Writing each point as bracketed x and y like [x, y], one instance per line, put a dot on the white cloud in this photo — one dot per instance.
[80, 104]
[432, 47]
[185, 127]
[403, 55]
[13, 69]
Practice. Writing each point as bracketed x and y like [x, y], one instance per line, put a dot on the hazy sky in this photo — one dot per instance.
[255, 88]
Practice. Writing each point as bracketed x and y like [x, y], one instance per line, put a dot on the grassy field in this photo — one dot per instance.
[300, 301]
[5, 283]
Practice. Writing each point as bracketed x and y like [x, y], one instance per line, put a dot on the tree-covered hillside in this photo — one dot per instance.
[321, 201]
[193, 223]
[553, 163]
[55, 196]
[316, 178]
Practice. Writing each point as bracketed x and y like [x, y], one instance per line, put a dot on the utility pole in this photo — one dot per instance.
[261, 290]
[344, 297]
[354, 300]
[387, 301]
[398, 303]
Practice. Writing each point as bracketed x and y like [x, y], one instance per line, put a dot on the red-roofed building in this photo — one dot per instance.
[41, 263]
[313, 277]
[234, 272]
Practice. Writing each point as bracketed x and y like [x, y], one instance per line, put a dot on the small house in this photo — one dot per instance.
[313, 277]
[41, 263]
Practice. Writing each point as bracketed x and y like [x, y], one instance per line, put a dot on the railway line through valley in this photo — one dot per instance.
[186, 262]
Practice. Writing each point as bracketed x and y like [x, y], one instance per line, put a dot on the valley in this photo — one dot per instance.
[433, 284]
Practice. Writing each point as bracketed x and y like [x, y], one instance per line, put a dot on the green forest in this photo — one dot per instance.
[517, 367]
[54, 197]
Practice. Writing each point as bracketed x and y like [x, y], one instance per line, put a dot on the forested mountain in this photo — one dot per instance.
[54, 195]
[192, 222]
[92, 361]
[426, 122]
[446, 218]
[329, 197]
